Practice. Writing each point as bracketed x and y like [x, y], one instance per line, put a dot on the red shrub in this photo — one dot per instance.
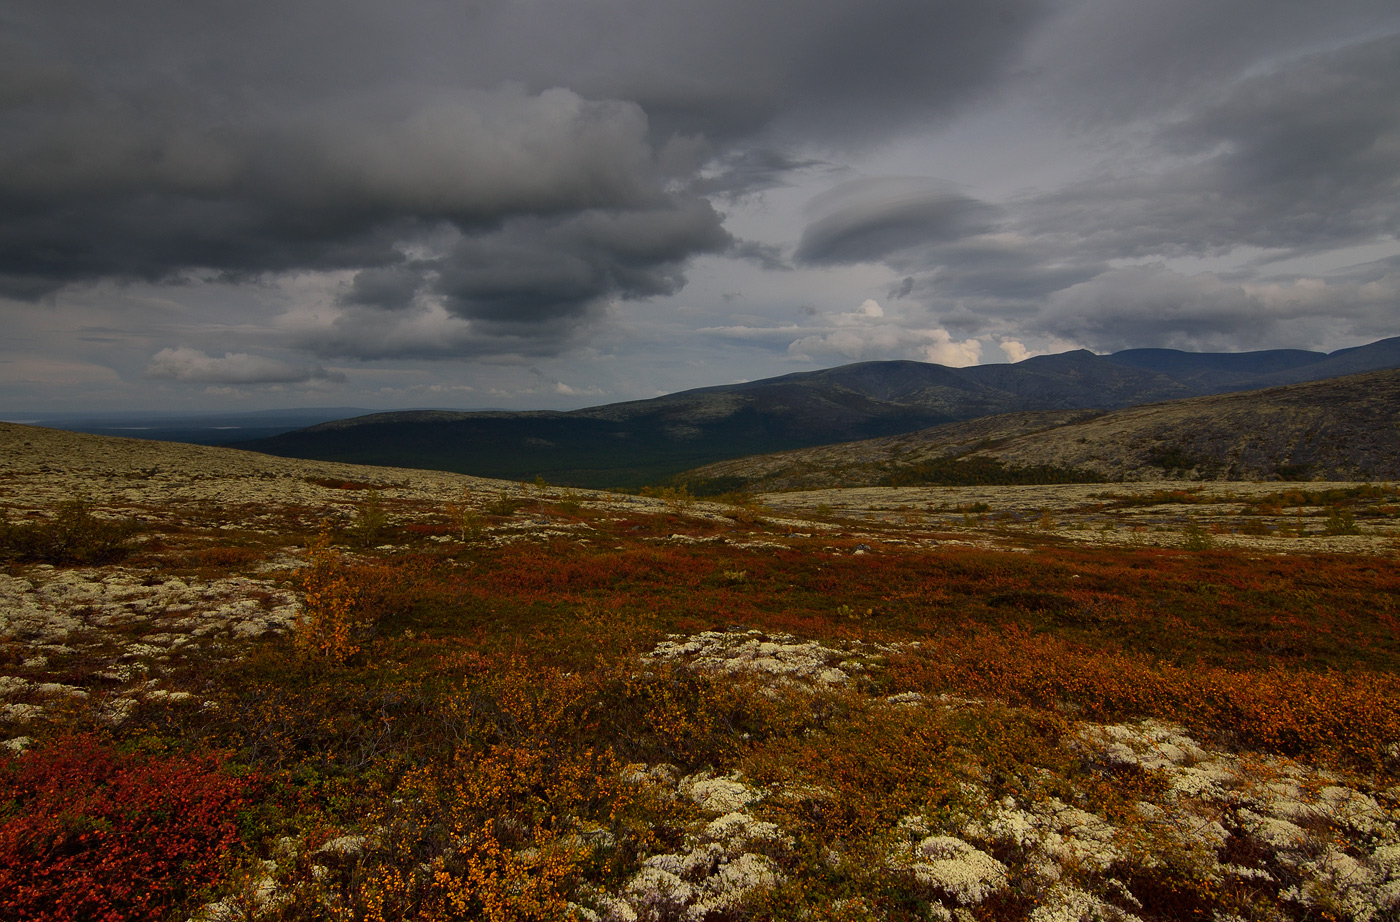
[88, 833]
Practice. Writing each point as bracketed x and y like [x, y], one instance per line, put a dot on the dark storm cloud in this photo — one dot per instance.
[108, 191]
[841, 72]
[522, 287]
[534, 268]
[869, 220]
[392, 287]
[147, 139]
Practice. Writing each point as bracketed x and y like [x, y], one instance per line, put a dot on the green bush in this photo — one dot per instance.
[1196, 538]
[504, 505]
[73, 536]
[371, 522]
[1340, 521]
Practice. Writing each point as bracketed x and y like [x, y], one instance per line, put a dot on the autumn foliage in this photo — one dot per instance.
[88, 833]
[473, 707]
[325, 626]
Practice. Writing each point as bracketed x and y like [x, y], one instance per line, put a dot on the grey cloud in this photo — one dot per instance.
[234, 368]
[563, 148]
[301, 116]
[869, 220]
[474, 155]
[745, 171]
[1102, 62]
[1006, 267]
[839, 72]
[391, 287]
[429, 331]
[489, 175]
[536, 268]
[1152, 305]
[523, 288]
[123, 194]
[1300, 158]
[767, 255]
[952, 246]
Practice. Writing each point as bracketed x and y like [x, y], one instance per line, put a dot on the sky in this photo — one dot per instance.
[562, 203]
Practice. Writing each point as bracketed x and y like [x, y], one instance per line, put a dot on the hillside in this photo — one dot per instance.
[1344, 428]
[647, 441]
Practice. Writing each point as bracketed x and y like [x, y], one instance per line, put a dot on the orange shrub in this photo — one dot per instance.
[325, 626]
[1352, 717]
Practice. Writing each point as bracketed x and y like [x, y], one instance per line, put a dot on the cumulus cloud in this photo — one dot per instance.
[1015, 350]
[233, 368]
[867, 334]
[888, 342]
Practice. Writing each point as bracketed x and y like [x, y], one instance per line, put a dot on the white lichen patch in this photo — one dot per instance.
[742, 829]
[1065, 903]
[1053, 834]
[724, 860]
[780, 658]
[1151, 744]
[121, 625]
[726, 795]
[952, 866]
[1341, 842]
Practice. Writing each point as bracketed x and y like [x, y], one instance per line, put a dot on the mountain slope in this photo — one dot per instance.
[644, 441]
[1344, 428]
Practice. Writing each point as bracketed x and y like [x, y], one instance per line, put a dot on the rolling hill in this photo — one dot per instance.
[1345, 428]
[646, 441]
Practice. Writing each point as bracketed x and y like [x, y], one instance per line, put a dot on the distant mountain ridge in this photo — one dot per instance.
[195, 428]
[645, 441]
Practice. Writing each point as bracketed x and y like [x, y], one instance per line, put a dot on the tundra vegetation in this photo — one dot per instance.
[312, 691]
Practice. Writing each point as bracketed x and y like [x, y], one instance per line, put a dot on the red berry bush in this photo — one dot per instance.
[90, 833]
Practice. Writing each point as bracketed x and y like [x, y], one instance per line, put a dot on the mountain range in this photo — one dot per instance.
[647, 441]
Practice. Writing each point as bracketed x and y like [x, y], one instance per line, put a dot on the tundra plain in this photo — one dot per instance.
[234, 686]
